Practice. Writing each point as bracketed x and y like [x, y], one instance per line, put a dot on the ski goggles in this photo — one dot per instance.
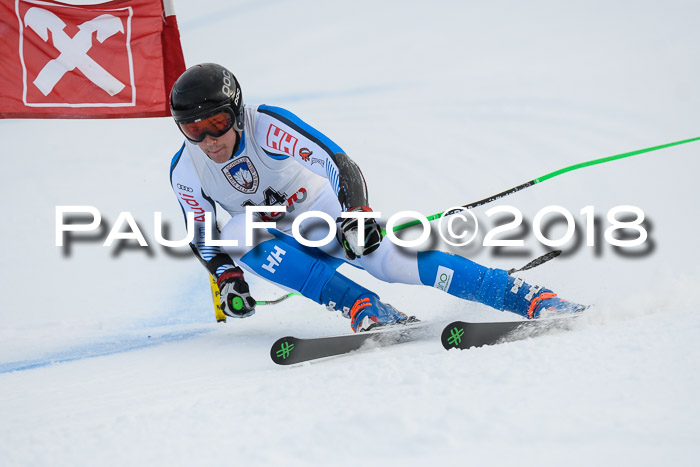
[215, 125]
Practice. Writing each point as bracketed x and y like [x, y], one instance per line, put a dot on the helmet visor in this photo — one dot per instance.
[215, 125]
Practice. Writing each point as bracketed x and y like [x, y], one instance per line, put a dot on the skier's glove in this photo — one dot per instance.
[236, 301]
[349, 235]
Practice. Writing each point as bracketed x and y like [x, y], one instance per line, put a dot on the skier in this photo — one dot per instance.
[240, 156]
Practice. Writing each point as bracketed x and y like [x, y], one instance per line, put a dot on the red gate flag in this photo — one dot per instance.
[112, 60]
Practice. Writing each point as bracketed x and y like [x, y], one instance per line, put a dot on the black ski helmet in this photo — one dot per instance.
[203, 90]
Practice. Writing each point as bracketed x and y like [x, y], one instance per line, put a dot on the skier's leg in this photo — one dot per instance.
[455, 275]
[466, 279]
[282, 260]
[462, 278]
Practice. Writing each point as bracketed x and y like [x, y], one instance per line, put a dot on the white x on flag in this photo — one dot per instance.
[73, 49]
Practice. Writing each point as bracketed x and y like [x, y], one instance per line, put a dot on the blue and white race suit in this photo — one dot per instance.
[281, 160]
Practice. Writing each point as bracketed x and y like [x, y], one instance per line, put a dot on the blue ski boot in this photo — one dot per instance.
[369, 312]
[362, 306]
[534, 301]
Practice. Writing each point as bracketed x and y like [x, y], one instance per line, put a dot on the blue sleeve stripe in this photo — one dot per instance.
[332, 174]
[279, 157]
[173, 164]
[305, 129]
[220, 270]
[176, 159]
[208, 252]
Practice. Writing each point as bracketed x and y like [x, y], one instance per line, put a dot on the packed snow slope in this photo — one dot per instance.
[110, 355]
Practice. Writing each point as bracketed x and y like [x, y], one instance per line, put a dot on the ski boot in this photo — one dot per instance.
[534, 301]
[361, 305]
[369, 312]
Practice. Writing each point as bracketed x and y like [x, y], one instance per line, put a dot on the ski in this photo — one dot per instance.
[289, 350]
[464, 335]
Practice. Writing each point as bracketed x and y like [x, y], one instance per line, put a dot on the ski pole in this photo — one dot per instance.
[277, 300]
[542, 259]
[216, 298]
[537, 261]
[542, 179]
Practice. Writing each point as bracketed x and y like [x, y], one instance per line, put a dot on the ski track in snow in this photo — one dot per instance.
[117, 344]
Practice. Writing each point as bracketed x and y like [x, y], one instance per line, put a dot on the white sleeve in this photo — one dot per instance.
[281, 134]
[192, 198]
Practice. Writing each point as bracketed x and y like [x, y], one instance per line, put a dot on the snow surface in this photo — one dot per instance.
[111, 356]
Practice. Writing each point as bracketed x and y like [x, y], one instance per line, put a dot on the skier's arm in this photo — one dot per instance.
[192, 198]
[282, 134]
[235, 294]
